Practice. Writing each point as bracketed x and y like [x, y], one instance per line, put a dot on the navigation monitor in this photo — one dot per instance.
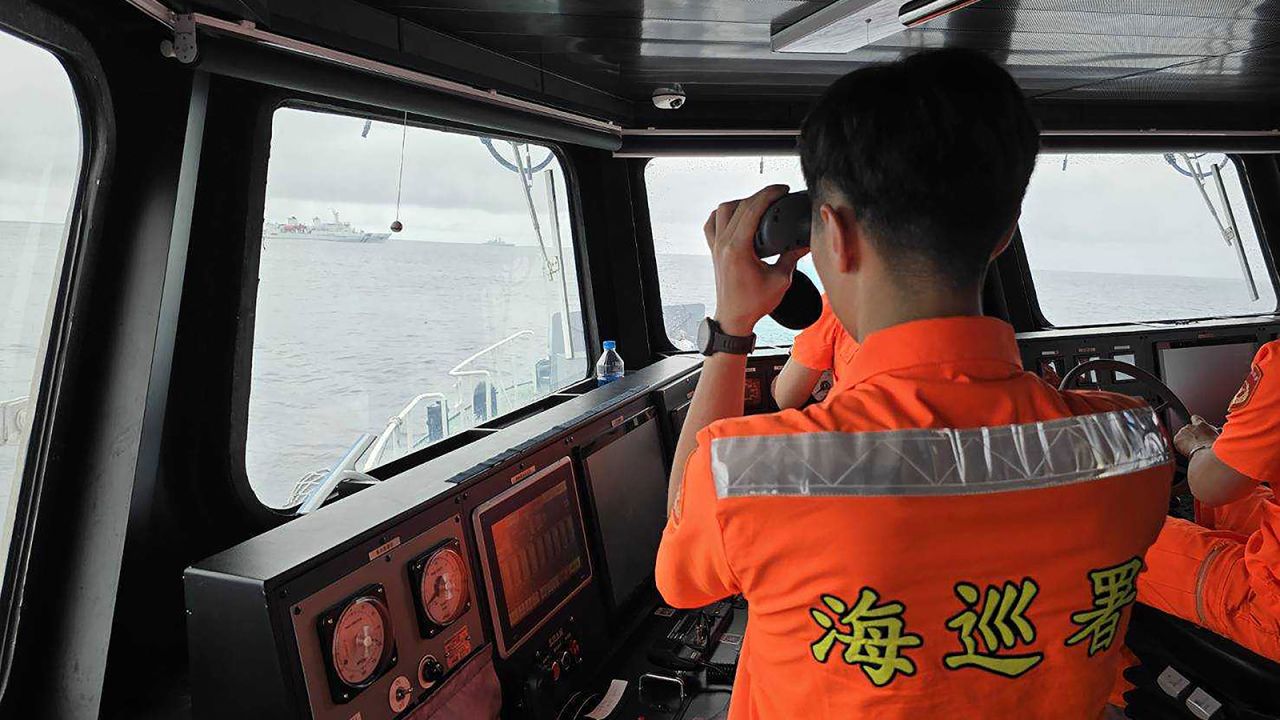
[533, 551]
[1206, 377]
[628, 482]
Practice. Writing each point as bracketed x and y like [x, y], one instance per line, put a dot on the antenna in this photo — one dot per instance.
[396, 225]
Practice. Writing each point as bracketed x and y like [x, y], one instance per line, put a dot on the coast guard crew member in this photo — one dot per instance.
[1224, 572]
[947, 536]
[823, 348]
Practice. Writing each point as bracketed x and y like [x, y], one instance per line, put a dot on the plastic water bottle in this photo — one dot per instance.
[609, 366]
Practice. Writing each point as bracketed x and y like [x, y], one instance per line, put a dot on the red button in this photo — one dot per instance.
[574, 648]
[555, 671]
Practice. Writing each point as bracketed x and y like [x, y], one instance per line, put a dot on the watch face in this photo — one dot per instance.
[704, 335]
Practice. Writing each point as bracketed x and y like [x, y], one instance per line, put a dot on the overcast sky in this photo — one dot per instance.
[39, 134]
[453, 188]
[1104, 213]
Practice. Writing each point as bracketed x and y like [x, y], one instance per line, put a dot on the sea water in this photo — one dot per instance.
[346, 334]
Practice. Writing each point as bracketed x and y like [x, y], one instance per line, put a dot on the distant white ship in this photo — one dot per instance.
[498, 242]
[336, 231]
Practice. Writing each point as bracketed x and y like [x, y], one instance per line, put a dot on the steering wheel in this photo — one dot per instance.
[1151, 387]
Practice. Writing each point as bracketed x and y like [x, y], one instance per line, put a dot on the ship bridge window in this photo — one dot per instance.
[413, 283]
[682, 191]
[1115, 238]
[41, 153]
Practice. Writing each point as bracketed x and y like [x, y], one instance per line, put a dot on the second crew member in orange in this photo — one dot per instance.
[948, 535]
[824, 348]
[1223, 572]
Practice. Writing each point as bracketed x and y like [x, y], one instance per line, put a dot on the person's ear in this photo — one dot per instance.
[1008, 238]
[841, 235]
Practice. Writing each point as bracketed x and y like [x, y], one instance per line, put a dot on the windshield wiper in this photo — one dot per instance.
[1229, 229]
[1232, 233]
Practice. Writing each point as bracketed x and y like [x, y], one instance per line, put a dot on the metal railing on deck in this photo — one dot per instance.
[13, 420]
[430, 417]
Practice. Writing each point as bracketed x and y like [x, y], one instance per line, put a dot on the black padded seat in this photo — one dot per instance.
[1247, 684]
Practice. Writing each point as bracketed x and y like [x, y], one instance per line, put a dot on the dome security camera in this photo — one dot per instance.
[671, 98]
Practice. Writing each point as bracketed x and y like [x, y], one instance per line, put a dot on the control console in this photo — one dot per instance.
[382, 638]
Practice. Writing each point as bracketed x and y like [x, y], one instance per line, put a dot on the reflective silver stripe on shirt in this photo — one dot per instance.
[940, 461]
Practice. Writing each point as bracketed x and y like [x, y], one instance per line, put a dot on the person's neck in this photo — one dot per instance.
[897, 305]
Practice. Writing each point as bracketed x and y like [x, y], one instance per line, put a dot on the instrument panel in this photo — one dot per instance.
[1204, 366]
[480, 568]
[380, 639]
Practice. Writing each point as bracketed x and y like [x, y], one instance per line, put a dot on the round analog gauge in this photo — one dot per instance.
[444, 588]
[360, 641]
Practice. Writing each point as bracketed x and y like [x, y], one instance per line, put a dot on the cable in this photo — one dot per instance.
[396, 225]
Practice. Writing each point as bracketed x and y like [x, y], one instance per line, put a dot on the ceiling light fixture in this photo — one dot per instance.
[846, 25]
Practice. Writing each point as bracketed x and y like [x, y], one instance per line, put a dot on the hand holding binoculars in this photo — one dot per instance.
[785, 227]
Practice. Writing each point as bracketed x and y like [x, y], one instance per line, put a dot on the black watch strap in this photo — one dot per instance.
[715, 340]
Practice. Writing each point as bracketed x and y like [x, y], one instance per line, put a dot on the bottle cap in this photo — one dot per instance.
[610, 345]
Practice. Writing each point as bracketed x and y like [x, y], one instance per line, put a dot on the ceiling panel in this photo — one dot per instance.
[1175, 51]
[721, 46]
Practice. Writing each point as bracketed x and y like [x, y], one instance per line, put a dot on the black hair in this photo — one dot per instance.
[933, 153]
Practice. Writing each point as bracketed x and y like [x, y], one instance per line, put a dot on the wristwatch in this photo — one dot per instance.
[1198, 448]
[712, 340]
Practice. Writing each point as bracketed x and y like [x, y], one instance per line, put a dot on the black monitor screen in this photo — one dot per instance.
[1206, 377]
[629, 490]
[534, 551]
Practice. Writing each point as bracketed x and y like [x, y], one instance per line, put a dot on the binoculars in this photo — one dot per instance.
[785, 227]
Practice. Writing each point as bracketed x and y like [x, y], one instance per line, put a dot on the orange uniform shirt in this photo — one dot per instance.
[1250, 444]
[947, 537]
[825, 345]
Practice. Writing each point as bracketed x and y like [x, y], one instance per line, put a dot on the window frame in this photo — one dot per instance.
[1018, 252]
[51, 33]
[245, 335]
[642, 219]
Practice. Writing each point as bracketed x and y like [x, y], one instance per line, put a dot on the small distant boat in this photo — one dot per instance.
[336, 231]
[499, 242]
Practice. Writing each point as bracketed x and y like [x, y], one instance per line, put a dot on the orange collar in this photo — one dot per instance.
[934, 341]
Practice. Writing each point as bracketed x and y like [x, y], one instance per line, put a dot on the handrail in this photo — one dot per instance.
[374, 456]
[457, 370]
[336, 475]
[249, 32]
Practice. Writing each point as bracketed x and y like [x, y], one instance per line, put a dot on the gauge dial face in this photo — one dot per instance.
[360, 641]
[444, 588]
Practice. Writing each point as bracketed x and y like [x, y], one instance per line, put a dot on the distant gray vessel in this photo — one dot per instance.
[336, 231]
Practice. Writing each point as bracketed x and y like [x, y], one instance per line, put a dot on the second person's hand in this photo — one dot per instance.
[747, 288]
[1195, 435]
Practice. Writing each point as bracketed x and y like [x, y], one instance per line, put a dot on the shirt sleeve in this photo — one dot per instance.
[1249, 440]
[814, 347]
[692, 568]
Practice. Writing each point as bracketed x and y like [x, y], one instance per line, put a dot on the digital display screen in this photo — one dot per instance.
[1206, 377]
[1125, 358]
[535, 555]
[628, 482]
[538, 551]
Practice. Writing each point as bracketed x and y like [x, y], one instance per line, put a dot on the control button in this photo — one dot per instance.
[1172, 682]
[1203, 705]
[400, 694]
[575, 649]
[554, 670]
[430, 672]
